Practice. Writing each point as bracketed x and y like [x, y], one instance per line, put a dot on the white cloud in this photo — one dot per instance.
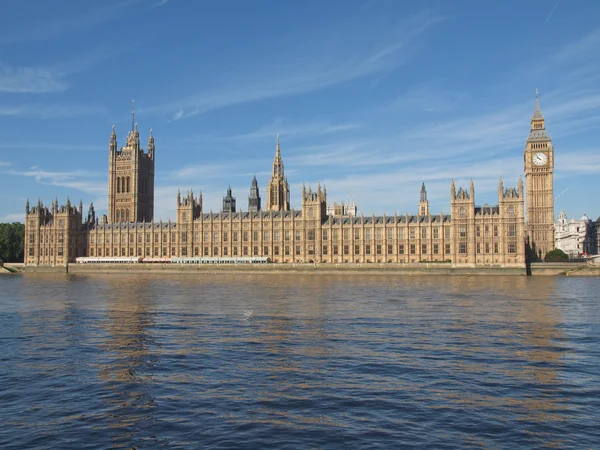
[159, 4]
[51, 111]
[39, 80]
[342, 58]
[82, 180]
[30, 80]
[14, 217]
[53, 27]
[429, 98]
[288, 130]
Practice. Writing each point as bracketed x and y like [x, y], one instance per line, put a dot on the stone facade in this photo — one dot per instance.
[278, 189]
[595, 237]
[130, 178]
[342, 209]
[575, 237]
[470, 236]
[539, 178]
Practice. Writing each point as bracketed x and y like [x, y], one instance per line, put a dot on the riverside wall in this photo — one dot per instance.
[537, 269]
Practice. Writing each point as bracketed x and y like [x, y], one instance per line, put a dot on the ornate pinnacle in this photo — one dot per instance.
[537, 113]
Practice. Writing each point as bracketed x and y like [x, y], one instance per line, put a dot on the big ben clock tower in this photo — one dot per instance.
[539, 179]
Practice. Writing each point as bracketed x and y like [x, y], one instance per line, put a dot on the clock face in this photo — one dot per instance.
[539, 159]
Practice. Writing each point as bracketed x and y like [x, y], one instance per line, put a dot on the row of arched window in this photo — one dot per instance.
[540, 145]
[123, 215]
[123, 184]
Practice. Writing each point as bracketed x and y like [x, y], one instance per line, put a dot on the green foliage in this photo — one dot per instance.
[11, 242]
[556, 255]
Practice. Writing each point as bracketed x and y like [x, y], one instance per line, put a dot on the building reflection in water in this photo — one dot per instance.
[522, 335]
[128, 360]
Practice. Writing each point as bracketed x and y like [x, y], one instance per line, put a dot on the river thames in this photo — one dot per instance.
[296, 361]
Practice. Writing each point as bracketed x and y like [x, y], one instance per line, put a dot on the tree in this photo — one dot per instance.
[556, 255]
[12, 236]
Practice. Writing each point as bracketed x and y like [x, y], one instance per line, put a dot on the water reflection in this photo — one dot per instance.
[257, 361]
[128, 360]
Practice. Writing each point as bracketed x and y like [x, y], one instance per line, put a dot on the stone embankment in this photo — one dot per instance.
[308, 269]
[537, 269]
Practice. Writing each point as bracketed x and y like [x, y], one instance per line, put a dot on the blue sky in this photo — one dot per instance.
[370, 97]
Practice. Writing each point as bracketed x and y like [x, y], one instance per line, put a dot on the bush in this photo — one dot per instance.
[556, 255]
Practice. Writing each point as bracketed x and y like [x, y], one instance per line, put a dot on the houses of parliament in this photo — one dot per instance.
[471, 235]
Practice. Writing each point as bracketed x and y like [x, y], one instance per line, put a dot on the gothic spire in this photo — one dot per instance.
[423, 193]
[113, 140]
[277, 162]
[537, 113]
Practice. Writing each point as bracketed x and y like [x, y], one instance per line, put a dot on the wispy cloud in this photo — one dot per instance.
[345, 59]
[80, 21]
[551, 12]
[429, 98]
[81, 180]
[30, 80]
[51, 111]
[39, 80]
[289, 130]
[200, 171]
[571, 161]
[159, 3]
[44, 146]
[14, 217]
[5, 164]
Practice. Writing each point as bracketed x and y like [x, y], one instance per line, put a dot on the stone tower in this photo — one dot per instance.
[539, 181]
[254, 197]
[130, 178]
[278, 189]
[229, 202]
[511, 207]
[462, 205]
[314, 213]
[423, 203]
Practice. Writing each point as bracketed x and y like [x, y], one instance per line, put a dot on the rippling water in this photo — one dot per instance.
[284, 361]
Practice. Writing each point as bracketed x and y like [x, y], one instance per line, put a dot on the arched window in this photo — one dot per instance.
[127, 191]
[118, 185]
[122, 215]
[118, 215]
[127, 211]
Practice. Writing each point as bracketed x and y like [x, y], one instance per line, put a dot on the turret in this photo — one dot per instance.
[520, 187]
[314, 204]
[229, 202]
[423, 203]
[91, 219]
[151, 145]
[254, 197]
[27, 207]
[112, 146]
[278, 189]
